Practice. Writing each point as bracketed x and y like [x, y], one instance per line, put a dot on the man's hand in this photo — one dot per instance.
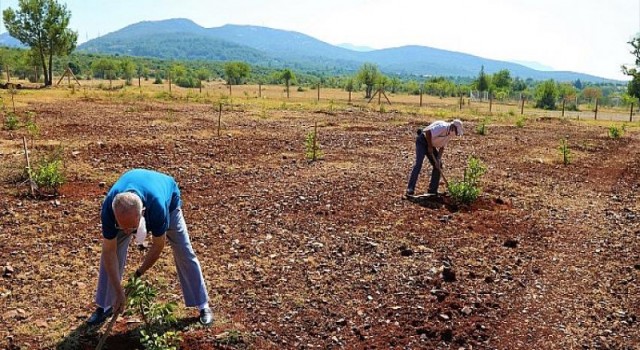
[120, 302]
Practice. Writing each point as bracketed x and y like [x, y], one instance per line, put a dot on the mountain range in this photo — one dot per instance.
[275, 48]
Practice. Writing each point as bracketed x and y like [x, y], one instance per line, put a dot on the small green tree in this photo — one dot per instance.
[288, 76]
[565, 152]
[47, 174]
[312, 147]
[546, 95]
[368, 75]
[202, 74]
[468, 190]
[140, 300]
[615, 132]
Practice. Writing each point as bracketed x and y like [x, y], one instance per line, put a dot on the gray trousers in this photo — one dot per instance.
[189, 272]
[421, 152]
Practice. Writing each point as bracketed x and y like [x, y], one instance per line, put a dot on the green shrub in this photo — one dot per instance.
[11, 121]
[565, 152]
[520, 122]
[47, 174]
[157, 81]
[312, 147]
[615, 132]
[481, 129]
[156, 316]
[468, 190]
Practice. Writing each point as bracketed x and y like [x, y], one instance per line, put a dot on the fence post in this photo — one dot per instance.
[631, 113]
[522, 105]
[490, 102]
[315, 136]
[420, 97]
[219, 117]
[259, 90]
[318, 91]
[563, 102]
[595, 117]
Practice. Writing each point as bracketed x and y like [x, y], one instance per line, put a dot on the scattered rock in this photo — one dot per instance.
[448, 275]
[511, 243]
[341, 322]
[466, 310]
[444, 317]
[102, 184]
[8, 271]
[406, 252]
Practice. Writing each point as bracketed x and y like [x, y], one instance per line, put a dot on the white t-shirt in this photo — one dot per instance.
[440, 134]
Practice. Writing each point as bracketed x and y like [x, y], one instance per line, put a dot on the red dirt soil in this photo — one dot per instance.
[327, 254]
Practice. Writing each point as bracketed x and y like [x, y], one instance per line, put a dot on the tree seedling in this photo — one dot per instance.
[565, 152]
[468, 190]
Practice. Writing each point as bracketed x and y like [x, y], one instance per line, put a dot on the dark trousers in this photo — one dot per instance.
[421, 152]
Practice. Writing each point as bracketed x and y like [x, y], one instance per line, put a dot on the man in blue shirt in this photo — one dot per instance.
[154, 196]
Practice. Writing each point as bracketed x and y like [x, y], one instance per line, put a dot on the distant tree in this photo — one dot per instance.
[394, 84]
[633, 87]
[368, 75]
[502, 80]
[577, 84]
[518, 85]
[592, 93]
[202, 74]
[567, 91]
[43, 26]
[236, 71]
[288, 76]
[482, 83]
[349, 86]
[128, 68]
[104, 67]
[546, 95]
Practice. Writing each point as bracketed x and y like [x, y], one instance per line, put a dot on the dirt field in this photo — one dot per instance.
[327, 254]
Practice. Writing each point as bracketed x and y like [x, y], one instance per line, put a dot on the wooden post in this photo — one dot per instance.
[461, 101]
[8, 76]
[349, 96]
[219, 118]
[522, 106]
[259, 90]
[315, 136]
[490, 102]
[26, 155]
[35, 74]
[631, 113]
[379, 95]
[229, 89]
[169, 84]
[595, 116]
[420, 97]
[563, 103]
[318, 91]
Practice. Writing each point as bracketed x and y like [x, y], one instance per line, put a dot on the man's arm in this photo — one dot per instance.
[153, 254]
[110, 261]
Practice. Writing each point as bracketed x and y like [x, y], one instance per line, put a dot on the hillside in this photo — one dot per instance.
[184, 39]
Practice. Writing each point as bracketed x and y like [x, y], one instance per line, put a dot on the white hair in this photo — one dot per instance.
[126, 202]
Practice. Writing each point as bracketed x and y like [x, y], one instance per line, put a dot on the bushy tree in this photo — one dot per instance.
[288, 76]
[236, 71]
[546, 95]
[43, 26]
[482, 83]
[633, 88]
[368, 75]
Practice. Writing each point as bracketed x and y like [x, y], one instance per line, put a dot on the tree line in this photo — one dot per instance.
[42, 25]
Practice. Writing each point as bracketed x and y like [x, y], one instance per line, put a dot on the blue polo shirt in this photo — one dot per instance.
[160, 196]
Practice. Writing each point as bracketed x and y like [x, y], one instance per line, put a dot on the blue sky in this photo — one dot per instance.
[587, 36]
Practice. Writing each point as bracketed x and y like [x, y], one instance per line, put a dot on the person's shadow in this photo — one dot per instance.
[86, 337]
